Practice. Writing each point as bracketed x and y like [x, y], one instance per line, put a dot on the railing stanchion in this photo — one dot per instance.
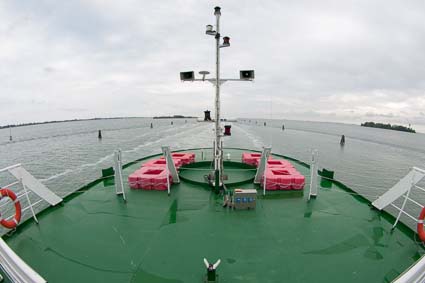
[406, 197]
[29, 201]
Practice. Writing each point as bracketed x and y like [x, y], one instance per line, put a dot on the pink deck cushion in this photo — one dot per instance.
[150, 178]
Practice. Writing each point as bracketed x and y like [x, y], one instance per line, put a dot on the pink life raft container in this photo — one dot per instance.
[251, 158]
[282, 178]
[150, 178]
[162, 163]
[185, 158]
[278, 163]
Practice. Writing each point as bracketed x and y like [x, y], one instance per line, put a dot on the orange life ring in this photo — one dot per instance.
[13, 222]
[420, 227]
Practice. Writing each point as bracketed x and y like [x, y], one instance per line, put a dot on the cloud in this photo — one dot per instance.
[343, 61]
[371, 114]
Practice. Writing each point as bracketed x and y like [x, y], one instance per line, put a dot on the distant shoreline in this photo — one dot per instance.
[63, 121]
[90, 119]
[388, 127]
[174, 117]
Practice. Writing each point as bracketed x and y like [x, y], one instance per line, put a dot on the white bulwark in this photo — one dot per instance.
[16, 268]
[415, 274]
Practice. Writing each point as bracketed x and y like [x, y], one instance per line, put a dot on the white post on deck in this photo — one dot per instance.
[168, 177]
[119, 186]
[170, 164]
[262, 166]
[265, 180]
[313, 174]
[170, 167]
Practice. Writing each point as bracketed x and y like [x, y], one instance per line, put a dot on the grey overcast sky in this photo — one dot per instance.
[343, 61]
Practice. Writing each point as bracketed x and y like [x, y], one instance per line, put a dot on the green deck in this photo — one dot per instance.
[97, 237]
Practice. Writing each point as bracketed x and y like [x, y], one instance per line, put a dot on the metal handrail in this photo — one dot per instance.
[10, 167]
[420, 188]
[404, 212]
[28, 184]
[419, 169]
[18, 196]
[401, 192]
[11, 184]
[415, 202]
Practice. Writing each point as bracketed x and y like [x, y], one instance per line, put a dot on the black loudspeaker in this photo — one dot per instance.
[187, 76]
[247, 75]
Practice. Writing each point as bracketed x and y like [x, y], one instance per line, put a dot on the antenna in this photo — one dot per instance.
[204, 73]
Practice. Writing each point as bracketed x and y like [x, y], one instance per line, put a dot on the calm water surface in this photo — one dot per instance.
[66, 156]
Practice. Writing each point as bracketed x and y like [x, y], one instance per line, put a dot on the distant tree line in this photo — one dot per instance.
[174, 116]
[388, 127]
[62, 121]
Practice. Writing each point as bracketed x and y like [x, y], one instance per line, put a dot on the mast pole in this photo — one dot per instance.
[218, 145]
[247, 75]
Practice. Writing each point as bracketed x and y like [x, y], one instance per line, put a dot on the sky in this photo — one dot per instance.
[340, 61]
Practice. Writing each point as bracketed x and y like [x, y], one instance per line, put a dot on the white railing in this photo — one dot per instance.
[30, 182]
[402, 189]
[21, 192]
[29, 192]
[26, 188]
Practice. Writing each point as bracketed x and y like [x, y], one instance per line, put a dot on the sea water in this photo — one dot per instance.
[65, 156]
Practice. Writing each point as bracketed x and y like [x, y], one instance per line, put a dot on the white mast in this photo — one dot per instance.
[218, 156]
[217, 82]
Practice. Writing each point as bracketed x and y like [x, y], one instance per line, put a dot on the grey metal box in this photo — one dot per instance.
[244, 198]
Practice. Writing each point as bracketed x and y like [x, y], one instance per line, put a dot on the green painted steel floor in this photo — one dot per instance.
[96, 237]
